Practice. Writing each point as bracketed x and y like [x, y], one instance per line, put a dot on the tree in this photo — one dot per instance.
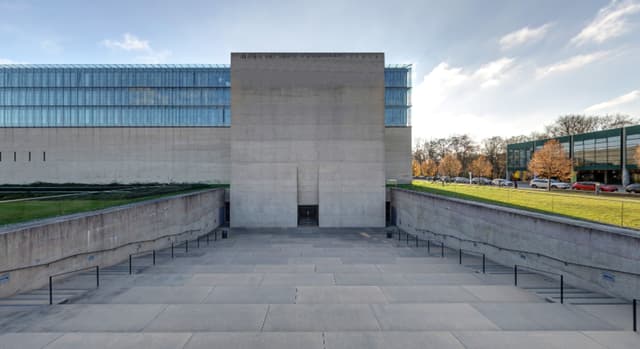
[550, 161]
[616, 121]
[638, 155]
[481, 167]
[415, 168]
[449, 166]
[495, 149]
[573, 124]
[463, 147]
[429, 168]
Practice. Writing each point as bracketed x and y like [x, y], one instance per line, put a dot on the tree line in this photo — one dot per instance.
[460, 154]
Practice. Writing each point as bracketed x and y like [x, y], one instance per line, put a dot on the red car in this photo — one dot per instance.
[591, 186]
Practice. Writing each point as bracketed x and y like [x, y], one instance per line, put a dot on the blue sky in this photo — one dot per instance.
[481, 67]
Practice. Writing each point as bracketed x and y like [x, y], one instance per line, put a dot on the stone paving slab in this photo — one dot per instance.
[162, 295]
[540, 316]
[428, 294]
[428, 317]
[387, 340]
[526, 340]
[619, 315]
[615, 339]
[27, 340]
[225, 279]
[266, 340]
[370, 279]
[120, 340]
[96, 318]
[252, 295]
[209, 317]
[502, 293]
[347, 268]
[322, 317]
[340, 295]
[285, 268]
[297, 279]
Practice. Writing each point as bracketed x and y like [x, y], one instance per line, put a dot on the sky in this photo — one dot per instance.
[483, 68]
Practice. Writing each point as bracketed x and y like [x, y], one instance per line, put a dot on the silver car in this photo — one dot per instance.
[544, 183]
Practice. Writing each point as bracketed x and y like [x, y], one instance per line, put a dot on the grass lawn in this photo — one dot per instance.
[610, 210]
[22, 211]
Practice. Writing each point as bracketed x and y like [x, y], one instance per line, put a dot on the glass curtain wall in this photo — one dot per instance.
[397, 97]
[114, 95]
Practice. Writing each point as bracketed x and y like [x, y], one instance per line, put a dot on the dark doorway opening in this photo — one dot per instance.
[308, 215]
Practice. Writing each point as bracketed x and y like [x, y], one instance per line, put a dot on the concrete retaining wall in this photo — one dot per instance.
[510, 236]
[103, 237]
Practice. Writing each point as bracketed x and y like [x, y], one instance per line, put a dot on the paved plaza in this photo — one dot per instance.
[310, 288]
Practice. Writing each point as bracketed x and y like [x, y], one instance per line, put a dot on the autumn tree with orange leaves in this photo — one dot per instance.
[481, 167]
[449, 166]
[415, 168]
[429, 168]
[550, 162]
[638, 155]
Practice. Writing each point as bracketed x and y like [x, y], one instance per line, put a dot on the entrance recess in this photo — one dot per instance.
[308, 215]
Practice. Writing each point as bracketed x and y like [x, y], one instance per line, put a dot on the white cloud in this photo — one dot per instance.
[450, 99]
[610, 22]
[8, 61]
[132, 43]
[51, 46]
[129, 42]
[524, 36]
[572, 63]
[615, 102]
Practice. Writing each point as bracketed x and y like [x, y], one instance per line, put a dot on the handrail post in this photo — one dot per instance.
[215, 235]
[172, 250]
[154, 257]
[198, 242]
[97, 276]
[416, 240]
[442, 249]
[460, 256]
[51, 291]
[483, 264]
[186, 246]
[407, 238]
[129, 264]
[561, 289]
[428, 246]
[635, 316]
[515, 275]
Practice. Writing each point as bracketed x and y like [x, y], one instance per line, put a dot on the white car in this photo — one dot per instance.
[544, 183]
[502, 182]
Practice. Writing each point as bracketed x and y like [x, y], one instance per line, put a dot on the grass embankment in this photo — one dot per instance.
[615, 211]
[34, 204]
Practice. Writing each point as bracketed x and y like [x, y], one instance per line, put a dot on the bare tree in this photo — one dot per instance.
[573, 124]
[617, 121]
[550, 161]
[449, 166]
[463, 147]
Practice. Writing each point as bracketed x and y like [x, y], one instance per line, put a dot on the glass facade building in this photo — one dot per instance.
[143, 95]
[602, 156]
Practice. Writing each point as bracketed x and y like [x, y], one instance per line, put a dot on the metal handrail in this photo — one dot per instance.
[97, 267]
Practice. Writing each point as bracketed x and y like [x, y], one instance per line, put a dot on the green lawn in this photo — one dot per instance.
[604, 209]
[22, 211]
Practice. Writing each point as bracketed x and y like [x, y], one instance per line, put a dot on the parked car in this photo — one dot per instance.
[591, 186]
[633, 188]
[502, 182]
[461, 180]
[480, 180]
[544, 183]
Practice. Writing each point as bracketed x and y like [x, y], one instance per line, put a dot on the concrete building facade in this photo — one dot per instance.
[317, 133]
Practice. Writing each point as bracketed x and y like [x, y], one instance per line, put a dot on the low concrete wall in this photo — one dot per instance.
[32, 251]
[589, 255]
